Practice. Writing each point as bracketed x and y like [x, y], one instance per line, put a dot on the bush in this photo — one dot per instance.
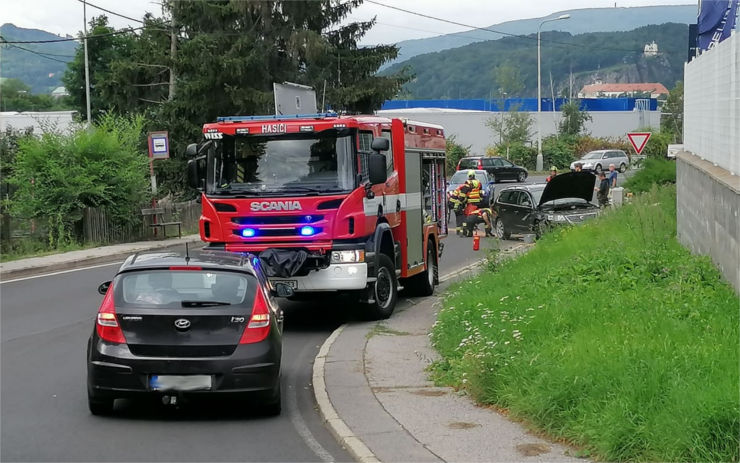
[657, 145]
[655, 171]
[58, 175]
[559, 151]
[522, 155]
[454, 151]
[628, 349]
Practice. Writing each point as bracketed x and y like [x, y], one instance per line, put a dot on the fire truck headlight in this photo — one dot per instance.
[347, 257]
[249, 232]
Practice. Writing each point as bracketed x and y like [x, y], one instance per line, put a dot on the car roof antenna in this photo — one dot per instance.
[187, 254]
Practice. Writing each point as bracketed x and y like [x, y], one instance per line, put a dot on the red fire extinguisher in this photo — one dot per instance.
[476, 241]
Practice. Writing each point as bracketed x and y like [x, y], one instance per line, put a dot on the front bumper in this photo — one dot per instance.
[113, 371]
[335, 277]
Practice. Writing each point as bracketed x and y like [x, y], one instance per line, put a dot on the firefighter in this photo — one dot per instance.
[458, 200]
[475, 196]
[480, 215]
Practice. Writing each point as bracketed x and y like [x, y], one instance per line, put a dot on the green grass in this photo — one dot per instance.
[609, 335]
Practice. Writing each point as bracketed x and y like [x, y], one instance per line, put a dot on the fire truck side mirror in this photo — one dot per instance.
[377, 172]
[380, 144]
[192, 150]
[194, 179]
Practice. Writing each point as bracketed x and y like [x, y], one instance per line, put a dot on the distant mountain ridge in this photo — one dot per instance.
[41, 73]
[614, 57]
[581, 21]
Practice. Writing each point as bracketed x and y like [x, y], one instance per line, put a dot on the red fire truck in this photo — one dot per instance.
[328, 202]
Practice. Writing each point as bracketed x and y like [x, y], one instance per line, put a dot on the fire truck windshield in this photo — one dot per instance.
[294, 164]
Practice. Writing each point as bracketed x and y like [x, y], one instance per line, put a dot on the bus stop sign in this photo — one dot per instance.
[159, 145]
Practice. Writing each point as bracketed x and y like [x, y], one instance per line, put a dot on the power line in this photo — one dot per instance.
[488, 29]
[111, 12]
[43, 55]
[93, 36]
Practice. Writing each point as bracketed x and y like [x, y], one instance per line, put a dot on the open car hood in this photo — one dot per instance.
[570, 185]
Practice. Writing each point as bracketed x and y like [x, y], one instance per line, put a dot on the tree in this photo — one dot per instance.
[672, 120]
[574, 120]
[508, 79]
[15, 95]
[58, 175]
[103, 52]
[454, 151]
[512, 127]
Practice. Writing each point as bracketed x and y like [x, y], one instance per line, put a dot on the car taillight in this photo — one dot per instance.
[107, 324]
[480, 164]
[259, 323]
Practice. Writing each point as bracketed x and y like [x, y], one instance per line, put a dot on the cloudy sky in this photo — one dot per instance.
[65, 16]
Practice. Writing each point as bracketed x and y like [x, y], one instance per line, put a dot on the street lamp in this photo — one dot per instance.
[540, 160]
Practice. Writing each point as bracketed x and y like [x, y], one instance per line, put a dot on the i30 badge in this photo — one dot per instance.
[182, 324]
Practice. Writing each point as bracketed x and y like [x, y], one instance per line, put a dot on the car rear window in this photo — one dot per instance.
[171, 288]
[468, 163]
[461, 176]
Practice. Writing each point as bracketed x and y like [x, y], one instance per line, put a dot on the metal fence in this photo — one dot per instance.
[712, 105]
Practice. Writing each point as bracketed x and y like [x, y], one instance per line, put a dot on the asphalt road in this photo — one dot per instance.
[45, 325]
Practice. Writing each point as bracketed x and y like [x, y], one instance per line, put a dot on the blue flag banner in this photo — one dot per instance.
[717, 19]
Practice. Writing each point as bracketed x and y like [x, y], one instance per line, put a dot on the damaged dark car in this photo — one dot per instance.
[527, 209]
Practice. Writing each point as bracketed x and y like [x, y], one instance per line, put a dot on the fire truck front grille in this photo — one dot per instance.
[278, 220]
[277, 232]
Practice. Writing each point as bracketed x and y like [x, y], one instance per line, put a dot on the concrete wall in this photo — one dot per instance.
[470, 127]
[707, 184]
[712, 105]
[708, 213]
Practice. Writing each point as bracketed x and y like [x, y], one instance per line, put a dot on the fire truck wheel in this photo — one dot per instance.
[423, 283]
[385, 289]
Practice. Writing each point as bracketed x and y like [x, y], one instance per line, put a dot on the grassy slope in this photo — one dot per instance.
[610, 335]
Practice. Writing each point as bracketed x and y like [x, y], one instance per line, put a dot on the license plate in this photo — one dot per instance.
[292, 283]
[180, 383]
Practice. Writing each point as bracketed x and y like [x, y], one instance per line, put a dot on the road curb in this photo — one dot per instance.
[37, 266]
[339, 429]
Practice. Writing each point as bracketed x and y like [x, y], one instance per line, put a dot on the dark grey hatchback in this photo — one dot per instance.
[174, 326]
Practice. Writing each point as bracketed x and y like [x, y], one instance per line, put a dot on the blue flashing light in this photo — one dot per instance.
[249, 232]
[307, 230]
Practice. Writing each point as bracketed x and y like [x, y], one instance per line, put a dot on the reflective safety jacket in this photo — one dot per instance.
[475, 195]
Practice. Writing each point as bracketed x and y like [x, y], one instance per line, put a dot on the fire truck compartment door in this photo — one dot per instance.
[414, 220]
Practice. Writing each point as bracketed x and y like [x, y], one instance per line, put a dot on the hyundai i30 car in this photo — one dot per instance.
[174, 326]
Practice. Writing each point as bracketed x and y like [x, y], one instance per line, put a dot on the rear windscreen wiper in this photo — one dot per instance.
[203, 303]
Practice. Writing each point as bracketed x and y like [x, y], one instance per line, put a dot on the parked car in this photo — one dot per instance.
[459, 177]
[599, 160]
[498, 168]
[172, 326]
[566, 199]
[673, 151]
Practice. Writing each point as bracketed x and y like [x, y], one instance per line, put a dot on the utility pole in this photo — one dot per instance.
[87, 65]
[173, 54]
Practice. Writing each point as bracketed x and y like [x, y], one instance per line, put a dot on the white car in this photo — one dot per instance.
[600, 159]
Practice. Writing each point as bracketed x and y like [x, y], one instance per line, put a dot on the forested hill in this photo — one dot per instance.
[581, 21]
[475, 70]
[43, 66]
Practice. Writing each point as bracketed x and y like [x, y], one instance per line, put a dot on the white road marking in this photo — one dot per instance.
[302, 428]
[60, 272]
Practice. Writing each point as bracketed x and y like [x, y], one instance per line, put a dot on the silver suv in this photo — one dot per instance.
[600, 159]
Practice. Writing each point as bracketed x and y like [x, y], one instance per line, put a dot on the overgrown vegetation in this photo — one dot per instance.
[454, 151]
[656, 171]
[57, 175]
[627, 349]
